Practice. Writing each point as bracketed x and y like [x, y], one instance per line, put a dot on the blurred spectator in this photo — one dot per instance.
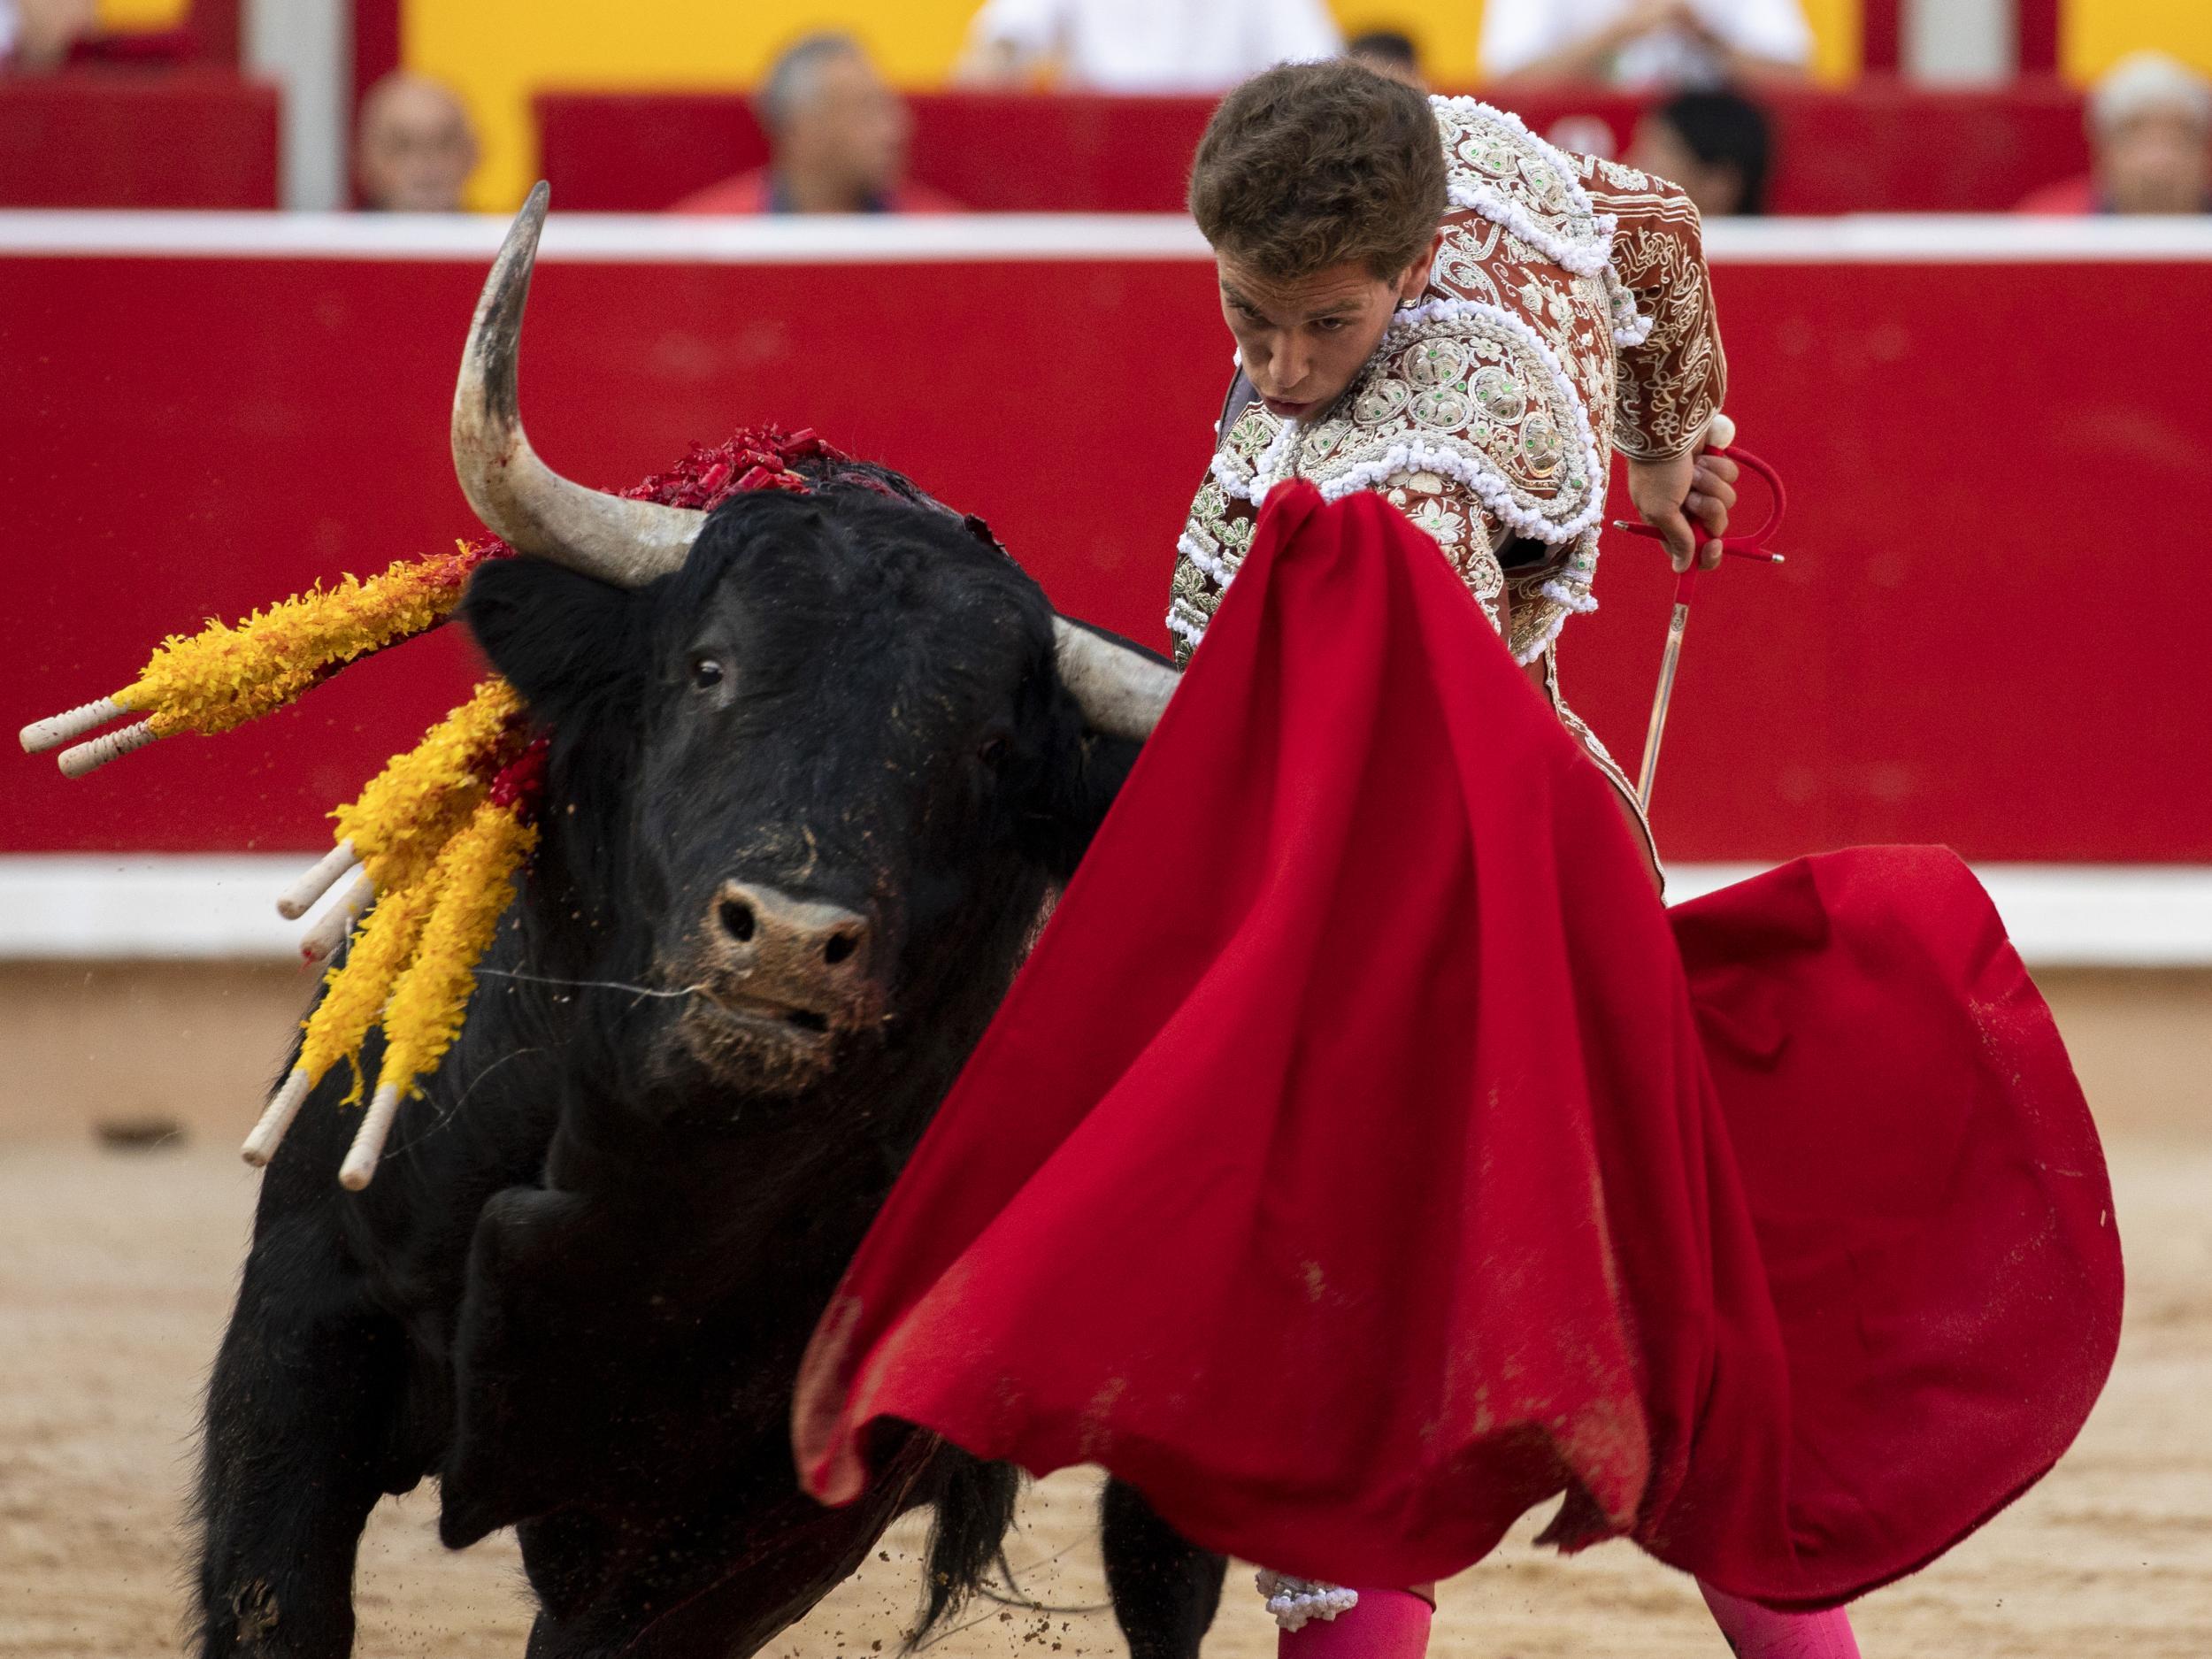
[1716, 145]
[1645, 43]
[38, 36]
[837, 137]
[1585, 136]
[1142, 45]
[2150, 143]
[414, 149]
[1389, 52]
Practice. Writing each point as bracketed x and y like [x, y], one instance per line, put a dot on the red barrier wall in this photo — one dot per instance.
[1991, 632]
[138, 138]
[1881, 147]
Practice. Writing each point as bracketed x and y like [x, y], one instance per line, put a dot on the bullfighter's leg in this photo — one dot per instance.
[1759, 1632]
[1165, 1589]
[295, 1447]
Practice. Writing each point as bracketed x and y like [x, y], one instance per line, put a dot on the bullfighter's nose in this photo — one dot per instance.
[774, 939]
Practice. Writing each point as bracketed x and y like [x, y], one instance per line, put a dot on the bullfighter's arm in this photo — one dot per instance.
[1674, 381]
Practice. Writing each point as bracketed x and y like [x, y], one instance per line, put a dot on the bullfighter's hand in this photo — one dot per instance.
[1679, 498]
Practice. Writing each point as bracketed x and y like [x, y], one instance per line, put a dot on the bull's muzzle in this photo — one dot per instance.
[802, 961]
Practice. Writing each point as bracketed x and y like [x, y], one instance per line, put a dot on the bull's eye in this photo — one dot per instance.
[706, 672]
[992, 750]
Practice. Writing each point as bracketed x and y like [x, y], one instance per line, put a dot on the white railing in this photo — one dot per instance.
[660, 238]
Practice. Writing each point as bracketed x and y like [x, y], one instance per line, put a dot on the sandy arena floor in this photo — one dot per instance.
[115, 1270]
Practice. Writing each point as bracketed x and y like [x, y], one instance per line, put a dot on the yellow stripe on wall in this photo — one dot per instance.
[1838, 39]
[2093, 34]
[126, 15]
[1447, 36]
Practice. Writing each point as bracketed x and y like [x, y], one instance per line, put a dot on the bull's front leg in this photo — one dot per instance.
[531, 1391]
[1165, 1589]
[294, 1448]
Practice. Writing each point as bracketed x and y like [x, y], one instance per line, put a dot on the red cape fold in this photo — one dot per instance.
[1366, 1156]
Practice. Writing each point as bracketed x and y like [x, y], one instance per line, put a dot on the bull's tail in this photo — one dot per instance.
[975, 1509]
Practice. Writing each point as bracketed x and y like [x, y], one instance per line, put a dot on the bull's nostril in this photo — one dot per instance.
[840, 947]
[738, 920]
[807, 1019]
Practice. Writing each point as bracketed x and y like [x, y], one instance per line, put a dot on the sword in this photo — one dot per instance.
[1722, 433]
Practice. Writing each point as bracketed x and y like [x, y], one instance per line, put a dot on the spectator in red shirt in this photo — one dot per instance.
[837, 139]
[2150, 141]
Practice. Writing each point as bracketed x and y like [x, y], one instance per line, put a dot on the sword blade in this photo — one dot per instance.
[1676, 626]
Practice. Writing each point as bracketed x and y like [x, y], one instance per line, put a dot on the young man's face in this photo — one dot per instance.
[1301, 342]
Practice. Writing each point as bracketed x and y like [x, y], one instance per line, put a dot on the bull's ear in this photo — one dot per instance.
[562, 640]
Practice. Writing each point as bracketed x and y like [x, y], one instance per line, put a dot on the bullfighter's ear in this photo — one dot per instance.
[560, 638]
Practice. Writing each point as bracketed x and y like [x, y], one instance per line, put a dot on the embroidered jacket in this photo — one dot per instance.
[1568, 314]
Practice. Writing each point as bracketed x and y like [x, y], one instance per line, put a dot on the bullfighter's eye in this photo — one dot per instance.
[992, 750]
[706, 672]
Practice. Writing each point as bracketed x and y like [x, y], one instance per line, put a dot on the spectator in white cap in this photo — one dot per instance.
[2150, 143]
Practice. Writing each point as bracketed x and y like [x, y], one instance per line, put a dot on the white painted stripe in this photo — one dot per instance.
[612, 238]
[657, 238]
[92, 906]
[75, 906]
[1959, 239]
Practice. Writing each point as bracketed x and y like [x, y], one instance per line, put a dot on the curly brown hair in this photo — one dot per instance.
[1309, 166]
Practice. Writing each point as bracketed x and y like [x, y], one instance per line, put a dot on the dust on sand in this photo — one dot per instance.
[116, 1272]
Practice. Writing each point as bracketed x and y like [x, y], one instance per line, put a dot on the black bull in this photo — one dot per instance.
[806, 798]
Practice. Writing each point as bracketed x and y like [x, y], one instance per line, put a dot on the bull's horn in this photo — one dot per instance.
[518, 497]
[1121, 691]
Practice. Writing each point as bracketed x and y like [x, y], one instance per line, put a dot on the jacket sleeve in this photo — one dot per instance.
[1673, 381]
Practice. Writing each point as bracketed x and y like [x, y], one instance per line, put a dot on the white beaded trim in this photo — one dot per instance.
[1631, 327]
[1583, 258]
[1543, 641]
[1415, 456]
[1294, 1600]
[1494, 493]
[1267, 471]
[1582, 602]
[1220, 570]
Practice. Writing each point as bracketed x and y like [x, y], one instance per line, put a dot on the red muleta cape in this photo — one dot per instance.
[1365, 1155]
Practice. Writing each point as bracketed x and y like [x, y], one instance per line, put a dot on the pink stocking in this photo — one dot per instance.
[1385, 1625]
[1760, 1632]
